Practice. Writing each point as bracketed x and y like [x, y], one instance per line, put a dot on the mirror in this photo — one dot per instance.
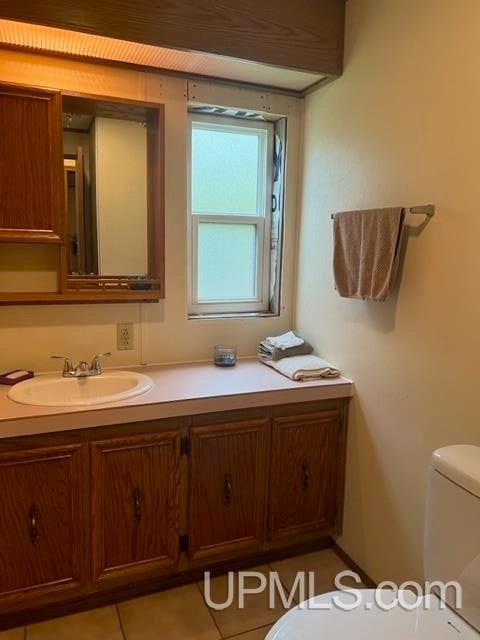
[113, 192]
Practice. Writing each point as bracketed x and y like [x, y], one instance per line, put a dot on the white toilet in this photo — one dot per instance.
[452, 552]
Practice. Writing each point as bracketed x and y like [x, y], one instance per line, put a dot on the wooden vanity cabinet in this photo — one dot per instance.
[306, 478]
[135, 505]
[121, 510]
[42, 523]
[228, 488]
[32, 208]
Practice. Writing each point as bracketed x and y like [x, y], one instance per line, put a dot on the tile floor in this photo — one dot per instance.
[182, 614]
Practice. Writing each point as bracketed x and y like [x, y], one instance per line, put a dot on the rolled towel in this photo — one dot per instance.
[285, 341]
[268, 351]
[302, 367]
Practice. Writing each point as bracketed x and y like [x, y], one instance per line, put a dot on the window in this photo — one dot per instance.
[230, 203]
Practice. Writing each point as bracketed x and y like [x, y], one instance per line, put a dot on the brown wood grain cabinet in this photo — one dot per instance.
[306, 474]
[135, 502]
[42, 522]
[228, 476]
[111, 512]
[31, 165]
[33, 195]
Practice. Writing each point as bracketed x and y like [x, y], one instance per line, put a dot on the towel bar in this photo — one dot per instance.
[425, 210]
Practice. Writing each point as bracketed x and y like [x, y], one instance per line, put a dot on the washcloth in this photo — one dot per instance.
[366, 251]
[303, 367]
[266, 350]
[285, 341]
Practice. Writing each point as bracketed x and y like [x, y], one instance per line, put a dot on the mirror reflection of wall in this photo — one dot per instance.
[105, 166]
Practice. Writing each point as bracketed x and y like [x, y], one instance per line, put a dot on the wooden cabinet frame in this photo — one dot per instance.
[100, 451]
[183, 558]
[259, 430]
[74, 457]
[301, 476]
[53, 229]
[77, 289]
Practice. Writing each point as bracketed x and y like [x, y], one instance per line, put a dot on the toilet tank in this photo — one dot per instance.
[452, 526]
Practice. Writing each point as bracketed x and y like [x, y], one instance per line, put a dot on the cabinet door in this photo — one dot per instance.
[306, 474]
[42, 528]
[32, 207]
[135, 504]
[228, 476]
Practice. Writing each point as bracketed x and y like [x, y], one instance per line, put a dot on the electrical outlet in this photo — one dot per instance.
[125, 336]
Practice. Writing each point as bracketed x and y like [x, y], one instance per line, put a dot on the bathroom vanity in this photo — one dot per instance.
[206, 471]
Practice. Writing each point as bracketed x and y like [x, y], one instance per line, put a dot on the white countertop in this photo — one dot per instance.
[179, 390]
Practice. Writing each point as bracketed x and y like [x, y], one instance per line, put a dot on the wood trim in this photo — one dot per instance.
[28, 236]
[154, 116]
[101, 105]
[341, 468]
[316, 85]
[367, 581]
[156, 195]
[81, 297]
[56, 160]
[27, 91]
[304, 35]
[156, 584]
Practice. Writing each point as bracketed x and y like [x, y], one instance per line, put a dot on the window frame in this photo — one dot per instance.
[261, 302]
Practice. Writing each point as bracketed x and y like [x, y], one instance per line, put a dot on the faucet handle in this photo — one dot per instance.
[96, 367]
[67, 364]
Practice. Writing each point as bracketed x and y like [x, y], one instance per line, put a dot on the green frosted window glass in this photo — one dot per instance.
[225, 166]
[226, 261]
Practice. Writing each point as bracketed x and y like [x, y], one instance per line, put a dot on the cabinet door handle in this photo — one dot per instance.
[137, 512]
[33, 518]
[227, 482]
[305, 475]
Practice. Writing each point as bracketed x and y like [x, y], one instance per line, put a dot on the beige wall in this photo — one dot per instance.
[28, 268]
[402, 126]
[28, 335]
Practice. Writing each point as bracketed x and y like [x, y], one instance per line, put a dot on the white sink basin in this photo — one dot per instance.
[56, 391]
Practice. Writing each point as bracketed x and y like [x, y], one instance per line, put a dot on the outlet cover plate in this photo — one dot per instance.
[125, 340]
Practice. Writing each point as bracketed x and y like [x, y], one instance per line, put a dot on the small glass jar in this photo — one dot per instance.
[224, 356]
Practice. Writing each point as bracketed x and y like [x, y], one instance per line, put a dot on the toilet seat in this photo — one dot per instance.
[369, 622]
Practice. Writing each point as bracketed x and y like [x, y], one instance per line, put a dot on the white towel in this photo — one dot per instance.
[303, 367]
[285, 341]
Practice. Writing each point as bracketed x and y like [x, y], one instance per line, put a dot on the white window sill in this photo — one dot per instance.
[217, 316]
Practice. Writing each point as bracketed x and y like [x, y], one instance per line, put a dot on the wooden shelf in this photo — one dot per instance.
[80, 297]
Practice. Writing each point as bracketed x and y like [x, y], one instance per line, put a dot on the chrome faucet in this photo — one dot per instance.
[83, 369]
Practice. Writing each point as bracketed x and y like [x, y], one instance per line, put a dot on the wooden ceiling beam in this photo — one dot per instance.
[299, 34]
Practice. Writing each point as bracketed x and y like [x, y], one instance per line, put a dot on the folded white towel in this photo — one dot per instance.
[303, 367]
[285, 341]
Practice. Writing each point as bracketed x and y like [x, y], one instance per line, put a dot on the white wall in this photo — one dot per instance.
[401, 127]
[28, 335]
